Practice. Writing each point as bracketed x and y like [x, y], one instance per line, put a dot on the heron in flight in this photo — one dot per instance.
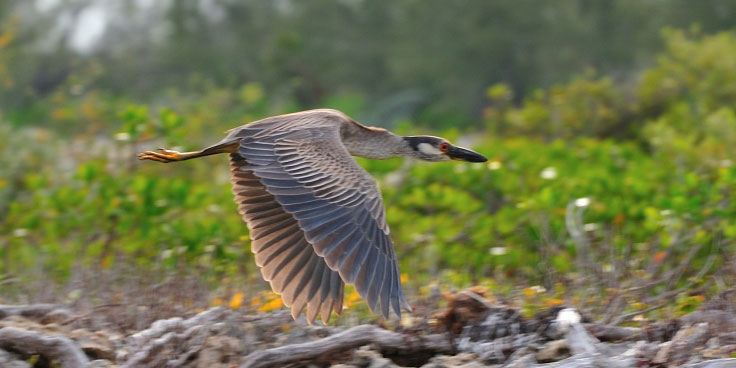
[315, 216]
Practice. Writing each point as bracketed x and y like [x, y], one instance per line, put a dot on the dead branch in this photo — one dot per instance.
[613, 333]
[626, 317]
[57, 348]
[86, 315]
[348, 340]
[708, 263]
[30, 310]
[164, 326]
[151, 356]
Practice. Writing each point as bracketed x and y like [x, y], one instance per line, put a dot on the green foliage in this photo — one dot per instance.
[621, 176]
[518, 203]
[586, 106]
[694, 85]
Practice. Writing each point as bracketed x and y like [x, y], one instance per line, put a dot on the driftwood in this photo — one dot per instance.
[353, 338]
[35, 311]
[57, 348]
[164, 326]
[614, 333]
[472, 331]
[151, 355]
[184, 336]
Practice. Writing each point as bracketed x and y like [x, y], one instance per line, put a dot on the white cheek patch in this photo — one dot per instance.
[429, 149]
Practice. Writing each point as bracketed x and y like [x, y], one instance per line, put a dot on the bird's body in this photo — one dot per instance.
[316, 218]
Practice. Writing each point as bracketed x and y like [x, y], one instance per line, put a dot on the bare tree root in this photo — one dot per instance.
[391, 343]
[57, 348]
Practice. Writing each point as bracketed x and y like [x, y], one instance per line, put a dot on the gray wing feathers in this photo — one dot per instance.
[338, 209]
[286, 259]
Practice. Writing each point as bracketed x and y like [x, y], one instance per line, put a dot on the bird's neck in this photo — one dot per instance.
[374, 143]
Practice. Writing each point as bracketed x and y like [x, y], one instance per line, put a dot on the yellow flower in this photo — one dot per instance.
[236, 301]
[352, 297]
[529, 292]
[271, 305]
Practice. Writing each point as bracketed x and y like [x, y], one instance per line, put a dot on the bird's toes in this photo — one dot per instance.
[163, 152]
[153, 156]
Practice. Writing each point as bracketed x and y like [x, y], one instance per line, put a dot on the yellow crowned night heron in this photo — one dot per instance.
[315, 216]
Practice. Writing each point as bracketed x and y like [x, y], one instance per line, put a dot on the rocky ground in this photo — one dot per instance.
[470, 332]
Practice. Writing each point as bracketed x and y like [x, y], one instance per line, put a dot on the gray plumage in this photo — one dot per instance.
[316, 218]
[320, 197]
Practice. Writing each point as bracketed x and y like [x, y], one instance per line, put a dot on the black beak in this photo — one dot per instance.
[459, 153]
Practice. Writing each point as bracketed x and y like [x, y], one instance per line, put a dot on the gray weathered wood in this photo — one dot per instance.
[344, 341]
[30, 310]
[57, 348]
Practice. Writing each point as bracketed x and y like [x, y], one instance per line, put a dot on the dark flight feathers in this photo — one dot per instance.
[316, 219]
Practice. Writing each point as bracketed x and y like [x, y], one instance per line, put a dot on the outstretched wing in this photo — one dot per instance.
[335, 204]
[287, 261]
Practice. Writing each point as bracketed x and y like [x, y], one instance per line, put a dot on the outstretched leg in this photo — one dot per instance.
[166, 156]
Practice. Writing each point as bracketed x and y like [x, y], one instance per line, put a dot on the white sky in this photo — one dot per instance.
[89, 28]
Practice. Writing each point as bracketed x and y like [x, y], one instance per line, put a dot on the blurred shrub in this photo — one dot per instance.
[565, 202]
[586, 106]
[688, 95]
[510, 215]
[693, 87]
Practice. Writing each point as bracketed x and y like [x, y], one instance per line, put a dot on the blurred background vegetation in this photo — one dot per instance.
[610, 128]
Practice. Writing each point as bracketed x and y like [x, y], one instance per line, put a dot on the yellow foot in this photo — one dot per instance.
[163, 155]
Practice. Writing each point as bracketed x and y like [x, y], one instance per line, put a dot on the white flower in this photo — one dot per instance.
[123, 137]
[20, 232]
[538, 289]
[498, 251]
[548, 173]
[494, 165]
[567, 317]
[582, 202]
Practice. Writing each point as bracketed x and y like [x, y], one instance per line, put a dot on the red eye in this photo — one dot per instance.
[444, 146]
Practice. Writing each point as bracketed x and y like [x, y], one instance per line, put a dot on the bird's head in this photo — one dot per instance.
[429, 148]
